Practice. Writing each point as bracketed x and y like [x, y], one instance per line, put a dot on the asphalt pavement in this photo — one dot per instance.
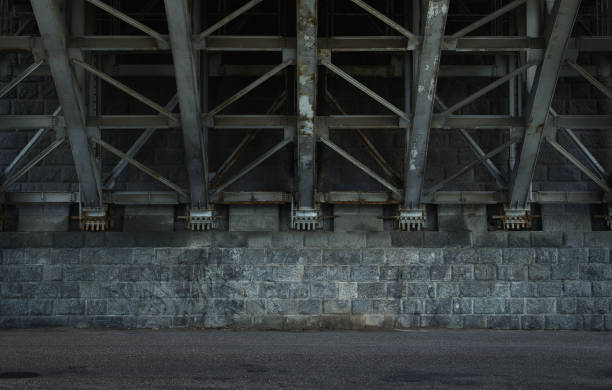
[200, 359]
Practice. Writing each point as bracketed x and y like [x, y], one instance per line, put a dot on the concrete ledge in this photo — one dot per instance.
[424, 239]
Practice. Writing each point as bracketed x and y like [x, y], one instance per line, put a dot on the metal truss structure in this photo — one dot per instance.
[535, 58]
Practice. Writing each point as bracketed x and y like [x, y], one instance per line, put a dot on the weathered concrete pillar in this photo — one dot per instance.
[452, 218]
[358, 218]
[148, 219]
[561, 218]
[43, 218]
[260, 218]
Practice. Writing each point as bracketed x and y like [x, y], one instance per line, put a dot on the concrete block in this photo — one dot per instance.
[445, 290]
[547, 239]
[440, 272]
[358, 218]
[564, 218]
[260, 218]
[566, 305]
[532, 322]
[519, 239]
[361, 306]
[413, 306]
[489, 306]
[550, 289]
[576, 288]
[386, 306]
[374, 256]
[378, 239]
[601, 239]
[351, 240]
[490, 239]
[462, 272]
[336, 306]
[507, 322]
[563, 322]
[433, 256]
[342, 256]
[599, 255]
[305, 256]
[148, 219]
[435, 239]
[518, 256]
[324, 290]
[490, 255]
[371, 290]
[43, 218]
[402, 256]
[438, 306]
[364, 273]
[512, 272]
[406, 239]
[484, 271]
[421, 290]
[595, 271]
[462, 218]
[538, 272]
[540, 305]
[455, 256]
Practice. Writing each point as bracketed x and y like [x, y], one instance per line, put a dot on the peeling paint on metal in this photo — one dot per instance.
[436, 9]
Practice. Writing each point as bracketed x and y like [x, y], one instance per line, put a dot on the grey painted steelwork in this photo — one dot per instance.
[579, 165]
[278, 43]
[228, 19]
[469, 166]
[52, 29]
[140, 97]
[415, 156]
[565, 12]
[131, 21]
[489, 18]
[375, 122]
[253, 164]
[307, 59]
[109, 183]
[19, 78]
[384, 102]
[33, 141]
[386, 20]
[10, 180]
[589, 77]
[186, 74]
[360, 165]
[483, 91]
[140, 166]
[499, 179]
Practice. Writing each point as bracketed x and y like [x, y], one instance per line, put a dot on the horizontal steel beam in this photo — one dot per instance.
[486, 122]
[277, 43]
[332, 197]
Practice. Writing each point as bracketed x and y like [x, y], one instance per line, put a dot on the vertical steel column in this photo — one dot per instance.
[51, 24]
[186, 73]
[307, 100]
[565, 12]
[425, 83]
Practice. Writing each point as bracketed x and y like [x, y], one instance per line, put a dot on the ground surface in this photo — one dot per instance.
[224, 359]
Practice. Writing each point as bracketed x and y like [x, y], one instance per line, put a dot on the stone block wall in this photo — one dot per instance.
[349, 280]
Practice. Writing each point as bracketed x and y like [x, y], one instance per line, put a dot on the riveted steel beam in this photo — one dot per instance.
[53, 32]
[109, 183]
[187, 79]
[564, 15]
[415, 157]
[307, 58]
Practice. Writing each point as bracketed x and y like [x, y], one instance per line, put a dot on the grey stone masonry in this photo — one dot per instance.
[310, 280]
